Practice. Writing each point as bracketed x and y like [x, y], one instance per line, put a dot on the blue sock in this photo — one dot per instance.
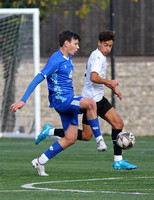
[54, 150]
[94, 124]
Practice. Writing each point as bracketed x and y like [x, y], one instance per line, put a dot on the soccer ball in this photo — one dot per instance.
[125, 140]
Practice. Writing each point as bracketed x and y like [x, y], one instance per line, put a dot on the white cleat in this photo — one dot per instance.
[101, 146]
[40, 168]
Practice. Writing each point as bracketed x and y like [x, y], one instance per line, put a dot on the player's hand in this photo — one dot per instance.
[15, 106]
[113, 83]
[118, 93]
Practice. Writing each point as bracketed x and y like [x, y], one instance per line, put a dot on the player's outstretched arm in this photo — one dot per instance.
[37, 79]
[15, 106]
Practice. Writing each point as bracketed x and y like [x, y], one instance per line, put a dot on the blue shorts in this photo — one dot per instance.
[70, 115]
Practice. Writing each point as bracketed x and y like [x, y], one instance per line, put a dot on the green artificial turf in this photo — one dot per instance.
[80, 172]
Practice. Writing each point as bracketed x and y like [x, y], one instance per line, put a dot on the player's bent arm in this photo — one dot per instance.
[37, 79]
[94, 77]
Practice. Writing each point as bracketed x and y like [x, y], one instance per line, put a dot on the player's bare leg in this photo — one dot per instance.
[70, 136]
[114, 119]
[87, 133]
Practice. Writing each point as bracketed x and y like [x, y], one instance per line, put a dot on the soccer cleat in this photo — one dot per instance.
[122, 164]
[40, 168]
[101, 146]
[44, 134]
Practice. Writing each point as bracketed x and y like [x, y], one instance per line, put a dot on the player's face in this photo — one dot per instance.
[73, 46]
[105, 47]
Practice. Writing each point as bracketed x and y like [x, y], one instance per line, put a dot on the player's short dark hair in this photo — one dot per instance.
[106, 36]
[67, 35]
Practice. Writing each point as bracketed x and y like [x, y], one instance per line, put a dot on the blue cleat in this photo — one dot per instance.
[123, 165]
[44, 134]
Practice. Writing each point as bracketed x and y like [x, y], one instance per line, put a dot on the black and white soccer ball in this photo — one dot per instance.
[125, 139]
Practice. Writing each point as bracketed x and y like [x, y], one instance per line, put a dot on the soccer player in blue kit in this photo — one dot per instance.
[58, 71]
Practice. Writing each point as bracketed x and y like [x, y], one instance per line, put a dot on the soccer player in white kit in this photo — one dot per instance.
[95, 80]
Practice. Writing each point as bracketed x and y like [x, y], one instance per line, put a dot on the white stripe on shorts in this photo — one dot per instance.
[75, 102]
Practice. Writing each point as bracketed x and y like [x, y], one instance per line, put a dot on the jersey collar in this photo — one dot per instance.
[67, 58]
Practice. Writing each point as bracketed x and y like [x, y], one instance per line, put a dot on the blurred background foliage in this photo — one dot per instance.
[83, 7]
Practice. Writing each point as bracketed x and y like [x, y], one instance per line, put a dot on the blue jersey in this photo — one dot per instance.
[58, 71]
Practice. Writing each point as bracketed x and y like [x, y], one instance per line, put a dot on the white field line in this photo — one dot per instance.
[31, 187]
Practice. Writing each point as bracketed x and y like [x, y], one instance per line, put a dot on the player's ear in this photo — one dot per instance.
[66, 43]
[99, 43]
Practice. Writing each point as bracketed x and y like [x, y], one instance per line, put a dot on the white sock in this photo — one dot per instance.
[99, 138]
[51, 131]
[117, 158]
[43, 159]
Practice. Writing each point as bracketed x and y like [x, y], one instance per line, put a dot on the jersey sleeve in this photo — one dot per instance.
[96, 64]
[51, 66]
[37, 79]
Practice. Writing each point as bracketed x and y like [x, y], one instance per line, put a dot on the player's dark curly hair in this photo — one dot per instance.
[106, 36]
[67, 35]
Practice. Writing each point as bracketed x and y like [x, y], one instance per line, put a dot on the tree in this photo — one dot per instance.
[83, 7]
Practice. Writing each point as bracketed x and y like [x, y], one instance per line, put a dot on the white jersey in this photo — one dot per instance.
[97, 62]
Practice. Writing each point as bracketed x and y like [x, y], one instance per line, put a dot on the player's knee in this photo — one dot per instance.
[92, 104]
[119, 124]
[87, 136]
